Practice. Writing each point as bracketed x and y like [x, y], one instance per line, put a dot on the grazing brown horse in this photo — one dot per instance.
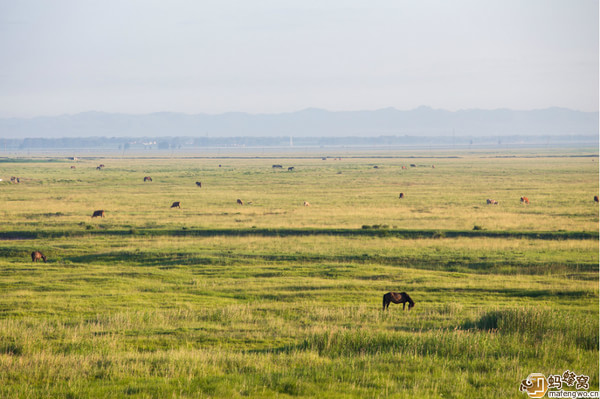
[199, 184]
[240, 202]
[401, 195]
[306, 203]
[147, 178]
[176, 204]
[595, 198]
[37, 255]
[491, 202]
[98, 213]
[525, 200]
[395, 297]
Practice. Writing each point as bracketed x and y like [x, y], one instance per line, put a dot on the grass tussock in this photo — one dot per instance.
[541, 323]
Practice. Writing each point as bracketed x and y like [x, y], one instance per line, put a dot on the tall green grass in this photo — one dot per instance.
[275, 299]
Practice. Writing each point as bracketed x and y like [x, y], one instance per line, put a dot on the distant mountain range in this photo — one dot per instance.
[422, 121]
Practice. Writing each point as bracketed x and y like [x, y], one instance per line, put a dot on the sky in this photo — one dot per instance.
[273, 56]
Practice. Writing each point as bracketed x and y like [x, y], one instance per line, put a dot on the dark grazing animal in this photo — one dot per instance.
[491, 202]
[401, 195]
[147, 178]
[525, 200]
[595, 198]
[37, 255]
[290, 168]
[98, 213]
[199, 184]
[395, 297]
[240, 202]
[277, 166]
[176, 204]
[72, 167]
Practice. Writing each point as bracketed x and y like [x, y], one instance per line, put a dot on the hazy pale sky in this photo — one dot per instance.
[140, 56]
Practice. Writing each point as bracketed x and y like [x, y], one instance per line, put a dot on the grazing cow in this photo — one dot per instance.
[72, 167]
[98, 168]
[375, 167]
[290, 168]
[595, 198]
[147, 178]
[277, 166]
[491, 202]
[403, 167]
[199, 184]
[306, 203]
[176, 204]
[240, 202]
[98, 214]
[433, 166]
[525, 200]
[101, 165]
[395, 297]
[412, 165]
[401, 195]
[37, 255]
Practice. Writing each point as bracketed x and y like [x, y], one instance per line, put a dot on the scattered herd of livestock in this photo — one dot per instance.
[177, 204]
[389, 297]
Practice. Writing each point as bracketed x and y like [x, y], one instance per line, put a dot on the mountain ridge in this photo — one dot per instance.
[309, 122]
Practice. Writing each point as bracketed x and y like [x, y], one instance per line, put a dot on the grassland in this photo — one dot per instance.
[275, 299]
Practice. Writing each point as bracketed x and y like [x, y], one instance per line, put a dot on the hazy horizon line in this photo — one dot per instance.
[95, 111]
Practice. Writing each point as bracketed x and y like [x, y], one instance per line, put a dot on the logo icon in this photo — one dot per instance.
[535, 385]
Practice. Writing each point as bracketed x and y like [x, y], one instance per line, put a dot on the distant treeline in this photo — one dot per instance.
[172, 143]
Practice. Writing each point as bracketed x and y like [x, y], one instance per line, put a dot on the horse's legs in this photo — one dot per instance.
[386, 303]
[403, 305]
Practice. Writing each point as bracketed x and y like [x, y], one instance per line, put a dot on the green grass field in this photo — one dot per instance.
[276, 299]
